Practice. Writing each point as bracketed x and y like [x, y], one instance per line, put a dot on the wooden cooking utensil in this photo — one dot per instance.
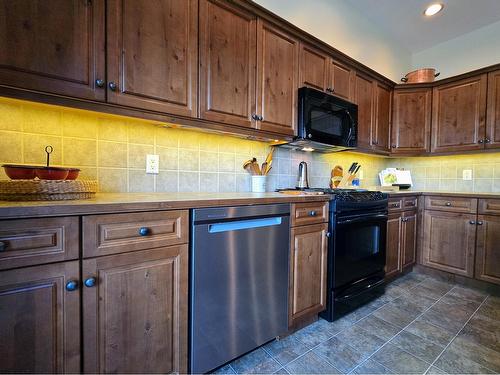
[247, 166]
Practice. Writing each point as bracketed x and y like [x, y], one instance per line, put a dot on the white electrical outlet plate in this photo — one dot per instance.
[152, 164]
[361, 175]
[467, 174]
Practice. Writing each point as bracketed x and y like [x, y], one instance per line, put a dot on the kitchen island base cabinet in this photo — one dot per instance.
[135, 312]
[40, 319]
[308, 267]
[449, 241]
[488, 249]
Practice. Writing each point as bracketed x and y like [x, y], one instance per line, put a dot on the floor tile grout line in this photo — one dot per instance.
[418, 316]
[456, 335]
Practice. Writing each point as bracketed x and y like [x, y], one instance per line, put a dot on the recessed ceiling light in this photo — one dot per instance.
[433, 9]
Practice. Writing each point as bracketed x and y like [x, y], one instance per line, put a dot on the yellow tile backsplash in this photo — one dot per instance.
[112, 149]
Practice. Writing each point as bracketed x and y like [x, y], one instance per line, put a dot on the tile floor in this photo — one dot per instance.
[421, 325]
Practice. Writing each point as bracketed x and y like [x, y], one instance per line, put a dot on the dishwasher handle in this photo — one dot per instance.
[244, 224]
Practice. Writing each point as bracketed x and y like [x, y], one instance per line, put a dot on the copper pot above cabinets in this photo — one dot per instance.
[420, 76]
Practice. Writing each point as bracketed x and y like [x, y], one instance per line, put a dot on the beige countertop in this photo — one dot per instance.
[444, 193]
[133, 202]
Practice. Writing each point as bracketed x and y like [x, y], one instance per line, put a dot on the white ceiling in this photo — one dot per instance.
[404, 19]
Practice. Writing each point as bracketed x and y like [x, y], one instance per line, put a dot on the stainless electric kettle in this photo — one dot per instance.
[302, 179]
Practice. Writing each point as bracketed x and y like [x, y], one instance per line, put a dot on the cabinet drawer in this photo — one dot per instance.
[395, 204]
[451, 204]
[309, 213]
[410, 202]
[120, 233]
[489, 206]
[28, 242]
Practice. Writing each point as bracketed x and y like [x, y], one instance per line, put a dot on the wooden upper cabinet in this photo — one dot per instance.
[228, 55]
[54, 46]
[341, 80]
[277, 79]
[493, 111]
[152, 49]
[314, 68]
[449, 242]
[411, 120]
[458, 115]
[381, 130]
[487, 251]
[364, 89]
[40, 319]
[135, 315]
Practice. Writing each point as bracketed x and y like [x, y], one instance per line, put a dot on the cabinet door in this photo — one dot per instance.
[365, 100]
[488, 249]
[152, 55]
[277, 77]
[449, 242]
[409, 248]
[228, 56]
[40, 319]
[493, 111]
[458, 115]
[411, 121]
[135, 315]
[382, 129]
[314, 68]
[341, 81]
[394, 244]
[308, 267]
[54, 46]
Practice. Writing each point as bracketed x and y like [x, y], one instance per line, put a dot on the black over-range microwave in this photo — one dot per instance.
[326, 123]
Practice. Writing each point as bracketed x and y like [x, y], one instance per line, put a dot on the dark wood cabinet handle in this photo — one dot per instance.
[99, 83]
[112, 86]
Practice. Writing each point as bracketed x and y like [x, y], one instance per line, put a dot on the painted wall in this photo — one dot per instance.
[470, 51]
[345, 28]
[112, 150]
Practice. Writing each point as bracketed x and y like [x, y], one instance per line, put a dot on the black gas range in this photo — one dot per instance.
[356, 248]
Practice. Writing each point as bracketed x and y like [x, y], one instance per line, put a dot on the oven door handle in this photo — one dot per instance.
[370, 286]
[362, 219]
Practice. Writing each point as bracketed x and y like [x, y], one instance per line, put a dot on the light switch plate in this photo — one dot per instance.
[361, 175]
[467, 174]
[152, 164]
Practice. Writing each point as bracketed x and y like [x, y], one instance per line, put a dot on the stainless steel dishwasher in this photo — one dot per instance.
[239, 281]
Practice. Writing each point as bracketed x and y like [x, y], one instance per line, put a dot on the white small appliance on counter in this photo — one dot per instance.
[395, 177]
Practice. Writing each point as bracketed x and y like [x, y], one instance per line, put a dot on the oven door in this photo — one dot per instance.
[359, 247]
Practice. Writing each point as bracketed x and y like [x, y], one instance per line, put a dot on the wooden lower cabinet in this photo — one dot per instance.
[40, 319]
[449, 241]
[394, 244]
[488, 249]
[401, 244]
[308, 268]
[135, 312]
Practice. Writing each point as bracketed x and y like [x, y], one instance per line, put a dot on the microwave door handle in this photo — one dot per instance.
[349, 136]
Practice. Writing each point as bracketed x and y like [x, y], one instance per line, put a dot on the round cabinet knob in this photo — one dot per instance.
[487, 140]
[448, 204]
[99, 82]
[328, 234]
[261, 118]
[71, 285]
[312, 213]
[112, 86]
[393, 146]
[3, 246]
[479, 223]
[90, 282]
[143, 231]
[472, 222]
[480, 141]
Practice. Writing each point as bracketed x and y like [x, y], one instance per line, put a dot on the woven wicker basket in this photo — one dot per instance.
[47, 190]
